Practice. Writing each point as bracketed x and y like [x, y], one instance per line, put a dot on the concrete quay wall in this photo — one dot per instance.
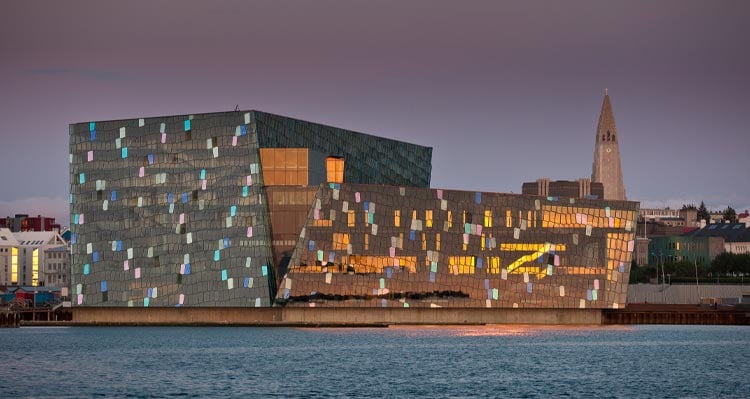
[329, 316]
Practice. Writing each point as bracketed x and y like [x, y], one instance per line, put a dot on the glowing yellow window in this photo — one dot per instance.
[493, 265]
[437, 241]
[335, 169]
[340, 241]
[428, 217]
[397, 218]
[35, 267]
[508, 219]
[14, 265]
[487, 218]
[461, 264]
[450, 219]
[351, 219]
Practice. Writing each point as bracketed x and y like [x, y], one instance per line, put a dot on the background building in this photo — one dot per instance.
[607, 168]
[56, 267]
[32, 250]
[581, 188]
[9, 272]
[20, 223]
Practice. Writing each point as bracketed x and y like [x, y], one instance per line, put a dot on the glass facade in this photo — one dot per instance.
[254, 209]
[376, 246]
[177, 210]
[169, 212]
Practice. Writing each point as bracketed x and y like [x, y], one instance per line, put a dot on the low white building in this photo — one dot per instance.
[32, 250]
[56, 268]
[8, 258]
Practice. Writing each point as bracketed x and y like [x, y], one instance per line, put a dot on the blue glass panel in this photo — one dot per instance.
[187, 124]
[104, 285]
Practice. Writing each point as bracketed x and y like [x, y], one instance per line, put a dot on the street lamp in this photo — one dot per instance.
[660, 260]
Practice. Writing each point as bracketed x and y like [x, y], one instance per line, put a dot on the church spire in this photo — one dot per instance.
[606, 168]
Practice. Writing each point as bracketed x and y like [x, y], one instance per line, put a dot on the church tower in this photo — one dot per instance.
[607, 169]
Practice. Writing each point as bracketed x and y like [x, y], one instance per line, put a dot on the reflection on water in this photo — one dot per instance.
[410, 361]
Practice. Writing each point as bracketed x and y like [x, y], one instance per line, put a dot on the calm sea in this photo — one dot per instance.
[477, 361]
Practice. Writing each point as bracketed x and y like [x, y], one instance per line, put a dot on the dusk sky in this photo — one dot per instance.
[504, 92]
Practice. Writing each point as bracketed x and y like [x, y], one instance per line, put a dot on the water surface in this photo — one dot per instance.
[475, 361]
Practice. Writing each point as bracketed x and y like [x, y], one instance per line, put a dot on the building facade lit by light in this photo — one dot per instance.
[254, 209]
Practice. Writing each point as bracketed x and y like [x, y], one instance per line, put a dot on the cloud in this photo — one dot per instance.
[82, 73]
[57, 208]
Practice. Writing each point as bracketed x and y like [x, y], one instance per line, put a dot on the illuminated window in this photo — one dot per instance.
[397, 218]
[14, 265]
[340, 241]
[335, 169]
[437, 242]
[424, 241]
[428, 217]
[493, 265]
[450, 219]
[508, 219]
[488, 218]
[35, 267]
[351, 219]
[461, 264]
[284, 166]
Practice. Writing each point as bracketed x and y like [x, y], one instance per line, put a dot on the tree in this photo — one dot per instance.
[688, 207]
[703, 213]
[730, 215]
[726, 263]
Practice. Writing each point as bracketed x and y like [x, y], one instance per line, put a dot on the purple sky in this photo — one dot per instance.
[505, 92]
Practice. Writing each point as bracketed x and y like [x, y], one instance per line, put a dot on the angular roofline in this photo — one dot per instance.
[245, 111]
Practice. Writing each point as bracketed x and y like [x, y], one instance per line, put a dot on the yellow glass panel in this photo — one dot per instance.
[450, 219]
[397, 218]
[376, 264]
[322, 223]
[508, 219]
[340, 241]
[487, 218]
[335, 169]
[351, 219]
[35, 267]
[428, 217]
[14, 265]
[437, 241]
[493, 265]
[461, 264]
